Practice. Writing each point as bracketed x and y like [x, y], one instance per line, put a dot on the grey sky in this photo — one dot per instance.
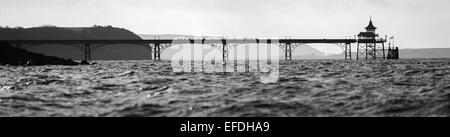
[414, 23]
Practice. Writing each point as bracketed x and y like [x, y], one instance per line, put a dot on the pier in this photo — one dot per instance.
[157, 46]
[368, 44]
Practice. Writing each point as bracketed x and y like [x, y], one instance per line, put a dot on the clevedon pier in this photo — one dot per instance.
[369, 45]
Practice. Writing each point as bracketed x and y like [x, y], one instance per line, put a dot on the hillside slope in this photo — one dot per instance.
[102, 52]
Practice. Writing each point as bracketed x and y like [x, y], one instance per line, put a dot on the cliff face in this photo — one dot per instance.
[103, 52]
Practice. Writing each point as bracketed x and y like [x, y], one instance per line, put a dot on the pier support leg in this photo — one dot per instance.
[203, 66]
[87, 51]
[257, 58]
[374, 51]
[285, 52]
[192, 58]
[247, 60]
[224, 56]
[357, 51]
[154, 52]
[350, 50]
[235, 58]
[269, 53]
[346, 51]
[157, 52]
[384, 55]
[290, 52]
[367, 50]
[151, 51]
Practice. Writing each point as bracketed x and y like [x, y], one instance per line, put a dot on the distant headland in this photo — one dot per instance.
[54, 32]
[115, 52]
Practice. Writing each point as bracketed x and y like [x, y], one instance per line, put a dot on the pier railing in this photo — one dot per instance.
[376, 40]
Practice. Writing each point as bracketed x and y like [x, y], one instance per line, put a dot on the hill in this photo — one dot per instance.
[110, 52]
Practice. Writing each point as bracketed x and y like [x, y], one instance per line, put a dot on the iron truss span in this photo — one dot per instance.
[365, 47]
[182, 41]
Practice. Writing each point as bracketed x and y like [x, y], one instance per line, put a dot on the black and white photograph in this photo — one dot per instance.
[224, 58]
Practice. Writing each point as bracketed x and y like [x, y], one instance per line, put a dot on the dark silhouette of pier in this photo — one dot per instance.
[158, 45]
[369, 44]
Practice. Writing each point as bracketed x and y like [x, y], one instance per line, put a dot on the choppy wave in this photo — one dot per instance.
[413, 87]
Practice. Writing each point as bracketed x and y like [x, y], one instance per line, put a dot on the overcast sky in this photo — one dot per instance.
[414, 23]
